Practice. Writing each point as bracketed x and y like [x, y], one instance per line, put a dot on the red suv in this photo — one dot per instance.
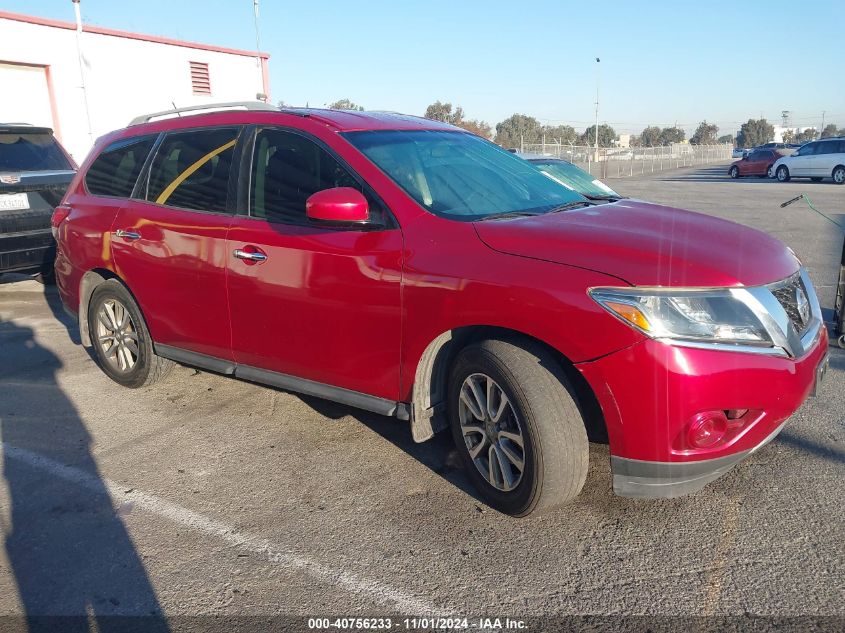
[409, 268]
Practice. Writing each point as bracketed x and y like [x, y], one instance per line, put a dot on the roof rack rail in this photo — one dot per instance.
[197, 109]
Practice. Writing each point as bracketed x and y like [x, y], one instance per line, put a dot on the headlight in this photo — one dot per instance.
[703, 316]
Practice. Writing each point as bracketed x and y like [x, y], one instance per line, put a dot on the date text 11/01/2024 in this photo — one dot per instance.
[412, 624]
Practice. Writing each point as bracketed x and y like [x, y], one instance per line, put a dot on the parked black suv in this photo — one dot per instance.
[34, 174]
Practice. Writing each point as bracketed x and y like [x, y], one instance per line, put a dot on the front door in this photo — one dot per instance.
[169, 243]
[314, 302]
[801, 162]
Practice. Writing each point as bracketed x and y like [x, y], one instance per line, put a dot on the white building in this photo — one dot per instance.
[780, 130]
[125, 74]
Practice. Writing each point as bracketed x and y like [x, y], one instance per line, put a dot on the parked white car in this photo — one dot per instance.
[816, 160]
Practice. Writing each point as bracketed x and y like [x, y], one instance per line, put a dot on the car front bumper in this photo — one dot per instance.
[651, 393]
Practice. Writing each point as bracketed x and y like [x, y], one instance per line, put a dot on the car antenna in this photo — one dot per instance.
[178, 114]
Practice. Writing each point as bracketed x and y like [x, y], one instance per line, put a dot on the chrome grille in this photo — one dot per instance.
[787, 292]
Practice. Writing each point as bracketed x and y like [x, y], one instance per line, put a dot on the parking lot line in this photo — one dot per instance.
[272, 552]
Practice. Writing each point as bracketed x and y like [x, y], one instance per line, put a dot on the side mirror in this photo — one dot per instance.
[341, 205]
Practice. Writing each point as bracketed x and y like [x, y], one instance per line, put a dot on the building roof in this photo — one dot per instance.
[87, 28]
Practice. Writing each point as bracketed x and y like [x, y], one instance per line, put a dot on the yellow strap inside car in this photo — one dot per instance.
[162, 198]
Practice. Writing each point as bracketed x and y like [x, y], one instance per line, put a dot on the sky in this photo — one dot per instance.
[662, 63]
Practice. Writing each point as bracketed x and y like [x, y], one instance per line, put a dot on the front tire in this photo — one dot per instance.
[516, 426]
[733, 172]
[769, 172]
[839, 175]
[120, 338]
[782, 174]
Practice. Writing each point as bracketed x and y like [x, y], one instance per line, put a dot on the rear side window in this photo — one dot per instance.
[830, 147]
[115, 170]
[31, 151]
[288, 168]
[191, 169]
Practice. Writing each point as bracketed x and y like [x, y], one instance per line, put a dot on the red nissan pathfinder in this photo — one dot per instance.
[407, 267]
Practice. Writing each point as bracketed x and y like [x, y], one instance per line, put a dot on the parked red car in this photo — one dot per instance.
[407, 267]
[757, 163]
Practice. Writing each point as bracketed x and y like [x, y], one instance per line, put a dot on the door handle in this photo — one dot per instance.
[250, 256]
[128, 235]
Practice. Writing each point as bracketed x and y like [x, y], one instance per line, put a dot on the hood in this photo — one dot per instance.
[646, 244]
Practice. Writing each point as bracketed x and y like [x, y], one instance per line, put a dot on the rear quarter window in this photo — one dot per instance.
[31, 151]
[115, 171]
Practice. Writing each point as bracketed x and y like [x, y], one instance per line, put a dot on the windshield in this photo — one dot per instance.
[459, 175]
[30, 151]
[575, 178]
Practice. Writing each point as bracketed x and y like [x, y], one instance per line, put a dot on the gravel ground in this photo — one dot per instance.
[207, 496]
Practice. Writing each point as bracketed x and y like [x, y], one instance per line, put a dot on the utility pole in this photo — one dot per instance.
[260, 95]
[822, 128]
[79, 58]
[598, 78]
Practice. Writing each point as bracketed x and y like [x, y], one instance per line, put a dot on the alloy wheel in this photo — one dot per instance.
[117, 336]
[492, 432]
[839, 176]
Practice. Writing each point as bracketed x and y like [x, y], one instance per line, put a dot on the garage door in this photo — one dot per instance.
[25, 97]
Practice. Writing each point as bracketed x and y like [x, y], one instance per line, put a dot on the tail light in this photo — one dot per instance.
[59, 215]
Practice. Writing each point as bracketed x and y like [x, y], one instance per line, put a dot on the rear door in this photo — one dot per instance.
[825, 158]
[169, 241]
[324, 302]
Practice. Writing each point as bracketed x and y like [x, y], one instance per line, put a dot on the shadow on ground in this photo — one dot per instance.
[74, 563]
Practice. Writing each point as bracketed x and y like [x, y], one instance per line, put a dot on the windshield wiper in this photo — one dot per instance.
[575, 204]
[602, 196]
[507, 214]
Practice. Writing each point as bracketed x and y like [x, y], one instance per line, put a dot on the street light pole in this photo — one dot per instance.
[81, 61]
[598, 77]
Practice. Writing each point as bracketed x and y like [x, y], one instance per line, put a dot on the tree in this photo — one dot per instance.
[755, 132]
[635, 141]
[807, 135]
[564, 134]
[726, 138]
[829, 130]
[606, 136]
[516, 129]
[479, 128]
[671, 135]
[344, 104]
[443, 112]
[438, 111]
[705, 134]
[650, 136]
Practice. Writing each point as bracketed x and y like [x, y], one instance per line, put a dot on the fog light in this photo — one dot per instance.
[707, 429]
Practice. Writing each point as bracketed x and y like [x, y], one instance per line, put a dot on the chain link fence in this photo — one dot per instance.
[619, 162]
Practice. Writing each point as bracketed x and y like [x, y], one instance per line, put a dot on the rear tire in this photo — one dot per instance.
[120, 338]
[782, 174]
[839, 174]
[510, 404]
[733, 172]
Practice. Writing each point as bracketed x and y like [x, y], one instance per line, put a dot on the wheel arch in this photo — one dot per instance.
[428, 411]
[90, 281]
